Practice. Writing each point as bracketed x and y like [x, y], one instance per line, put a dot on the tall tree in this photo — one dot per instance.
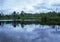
[22, 13]
[14, 15]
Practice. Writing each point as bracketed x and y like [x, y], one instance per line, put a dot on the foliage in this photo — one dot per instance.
[44, 18]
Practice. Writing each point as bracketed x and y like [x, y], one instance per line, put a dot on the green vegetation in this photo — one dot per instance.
[42, 18]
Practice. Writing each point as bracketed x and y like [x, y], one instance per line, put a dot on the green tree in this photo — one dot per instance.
[14, 15]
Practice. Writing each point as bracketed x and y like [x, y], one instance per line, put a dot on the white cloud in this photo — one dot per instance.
[30, 5]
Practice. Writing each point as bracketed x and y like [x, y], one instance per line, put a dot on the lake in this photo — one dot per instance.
[10, 32]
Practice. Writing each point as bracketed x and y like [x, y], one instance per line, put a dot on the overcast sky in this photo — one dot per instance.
[29, 5]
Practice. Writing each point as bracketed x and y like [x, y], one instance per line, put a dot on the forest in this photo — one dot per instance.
[42, 18]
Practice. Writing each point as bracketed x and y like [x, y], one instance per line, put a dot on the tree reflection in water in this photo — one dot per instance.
[38, 33]
[14, 24]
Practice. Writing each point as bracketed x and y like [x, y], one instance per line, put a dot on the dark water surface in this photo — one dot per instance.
[29, 33]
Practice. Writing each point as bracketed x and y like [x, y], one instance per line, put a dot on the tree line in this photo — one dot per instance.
[47, 18]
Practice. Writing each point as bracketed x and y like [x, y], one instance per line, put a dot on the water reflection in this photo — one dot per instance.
[14, 24]
[15, 32]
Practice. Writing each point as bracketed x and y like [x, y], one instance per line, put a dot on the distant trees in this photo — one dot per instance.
[0, 15]
[49, 17]
[14, 15]
[44, 19]
[22, 15]
[59, 14]
[22, 12]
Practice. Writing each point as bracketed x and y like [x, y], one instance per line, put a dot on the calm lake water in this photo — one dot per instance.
[29, 33]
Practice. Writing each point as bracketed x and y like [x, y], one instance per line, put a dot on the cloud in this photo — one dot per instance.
[58, 4]
[48, 5]
[30, 5]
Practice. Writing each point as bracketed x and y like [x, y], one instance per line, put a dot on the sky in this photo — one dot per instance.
[29, 6]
